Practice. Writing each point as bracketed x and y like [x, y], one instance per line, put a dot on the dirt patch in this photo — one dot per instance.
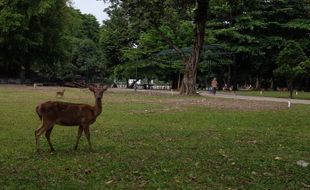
[220, 103]
[177, 102]
[165, 98]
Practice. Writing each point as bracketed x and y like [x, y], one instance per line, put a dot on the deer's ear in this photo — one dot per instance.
[91, 88]
[104, 87]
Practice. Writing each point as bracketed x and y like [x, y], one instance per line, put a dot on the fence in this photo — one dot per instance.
[153, 87]
[10, 81]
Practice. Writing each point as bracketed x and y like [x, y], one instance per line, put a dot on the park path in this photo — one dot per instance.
[227, 95]
[256, 98]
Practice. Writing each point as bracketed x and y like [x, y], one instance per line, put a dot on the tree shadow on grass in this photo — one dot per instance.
[69, 151]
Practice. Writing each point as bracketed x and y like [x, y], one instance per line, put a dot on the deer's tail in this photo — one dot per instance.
[38, 112]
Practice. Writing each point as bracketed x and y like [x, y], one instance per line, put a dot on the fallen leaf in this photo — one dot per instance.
[267, 174]
[302, 163]
[87, 171]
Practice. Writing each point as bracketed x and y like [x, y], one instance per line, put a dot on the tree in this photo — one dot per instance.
[30, 31]
[305, 67]
[80, 54]
[85, 59]
[83, 54]
[130, 52]
[50, 38]
[90, 27]
[256, 30]
[115, 35]
[305, 72]
[290, 63]
[163, 15]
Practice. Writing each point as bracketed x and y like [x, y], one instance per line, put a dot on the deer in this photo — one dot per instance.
[53, 113]
[60, 93]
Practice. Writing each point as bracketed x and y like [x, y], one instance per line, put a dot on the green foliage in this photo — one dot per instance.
[289, 61]
[80, 50]
[30, 31]
[254, 30]
[305, 67]
[83, 51]
[115, 34]
[49, 37]
[129, 52]
[175, 22]
[85, 61]
[60, 42]
[257, 30]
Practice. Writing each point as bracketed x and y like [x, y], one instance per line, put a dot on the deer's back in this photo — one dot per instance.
[68, 114]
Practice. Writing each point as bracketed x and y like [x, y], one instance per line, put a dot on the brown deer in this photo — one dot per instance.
[60, 93]
[69, 114]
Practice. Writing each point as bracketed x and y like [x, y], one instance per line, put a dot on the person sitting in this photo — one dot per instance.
[225, 88]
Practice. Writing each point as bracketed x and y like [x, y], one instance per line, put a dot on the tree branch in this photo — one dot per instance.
[170, 42]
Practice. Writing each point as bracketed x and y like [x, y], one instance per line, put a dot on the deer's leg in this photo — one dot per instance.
[38, 133]
[45, 126]
[78, 137]
[47, 135]
[87, 134]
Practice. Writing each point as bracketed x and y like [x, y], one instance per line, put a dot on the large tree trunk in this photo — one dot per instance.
[257, 84]
[175, 80]
[235, 73]
[307, 85]
[291, 87]
[229, 76]
[180, 80]
[188, 86]
[271, 84]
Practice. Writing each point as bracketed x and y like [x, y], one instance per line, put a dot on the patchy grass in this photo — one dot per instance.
[276, 94]
[155, 142]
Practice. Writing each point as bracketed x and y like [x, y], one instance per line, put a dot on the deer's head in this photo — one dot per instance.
[98, 91]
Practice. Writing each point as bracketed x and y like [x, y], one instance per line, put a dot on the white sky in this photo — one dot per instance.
[94, 7]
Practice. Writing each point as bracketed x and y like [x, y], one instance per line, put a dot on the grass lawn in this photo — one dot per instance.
[156, 142]
[276, 94]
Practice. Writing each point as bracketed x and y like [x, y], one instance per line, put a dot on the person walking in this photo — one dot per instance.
[214, 84]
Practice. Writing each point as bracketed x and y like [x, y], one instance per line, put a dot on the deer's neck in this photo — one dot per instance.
[98, 107]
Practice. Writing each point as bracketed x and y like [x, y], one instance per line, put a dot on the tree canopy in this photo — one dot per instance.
[181, 42]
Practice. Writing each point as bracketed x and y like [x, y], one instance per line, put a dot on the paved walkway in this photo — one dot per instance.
[226, 95]
[256, 98]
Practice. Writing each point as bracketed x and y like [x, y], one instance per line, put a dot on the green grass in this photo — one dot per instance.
[276, 94]
[146, 142]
